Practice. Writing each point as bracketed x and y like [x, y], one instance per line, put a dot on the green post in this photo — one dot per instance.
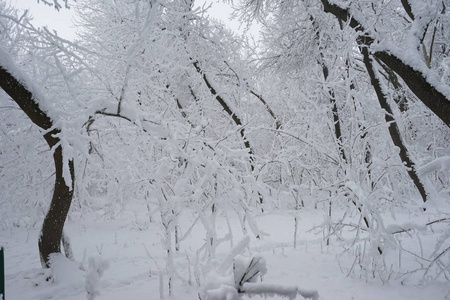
[2, 274]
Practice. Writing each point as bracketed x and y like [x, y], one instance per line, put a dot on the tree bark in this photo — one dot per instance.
[415, 80]
[393, 127]
[52, 228]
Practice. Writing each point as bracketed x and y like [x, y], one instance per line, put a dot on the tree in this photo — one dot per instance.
[94, 87]
[44, 75]
[52, 228]
[414, 72]
[28, 97]
[173, 120]
[348, 39]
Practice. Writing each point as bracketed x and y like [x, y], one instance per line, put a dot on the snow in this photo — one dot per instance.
[439, 164]
[239, 248]
[97, 266]
[135, 273]
[271, 290]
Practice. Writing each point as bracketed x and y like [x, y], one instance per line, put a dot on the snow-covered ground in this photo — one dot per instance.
[130, 251]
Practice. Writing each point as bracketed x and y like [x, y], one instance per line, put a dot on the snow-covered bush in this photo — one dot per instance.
[97, 266]
[246, 279]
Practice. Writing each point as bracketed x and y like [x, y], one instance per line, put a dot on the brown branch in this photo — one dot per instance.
[400, 98]
[335, 112]
[436, 101]
[25, 99]
[117, 115]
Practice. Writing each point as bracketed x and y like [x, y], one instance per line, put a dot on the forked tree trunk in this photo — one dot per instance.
[52, 228]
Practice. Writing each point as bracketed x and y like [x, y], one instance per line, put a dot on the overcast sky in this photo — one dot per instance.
[44, 15]
[61, 21]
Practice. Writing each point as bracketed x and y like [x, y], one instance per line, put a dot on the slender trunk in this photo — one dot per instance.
[334, 109]
[362, 128]
[236, 120]
[336, 119]
[232, 114]
[393, 127]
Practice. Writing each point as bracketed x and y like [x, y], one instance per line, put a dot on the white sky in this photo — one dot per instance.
[61, 21]
[44, 15]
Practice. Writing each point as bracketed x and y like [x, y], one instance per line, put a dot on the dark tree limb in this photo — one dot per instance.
[259, 97]
[233, 116]
[332, 98]
[408, 9]
[394, 131]
[269, 110]
[428, 224]
[228, 110]
[436, 101]
[52, 228]
[25, 99]
[336, 119]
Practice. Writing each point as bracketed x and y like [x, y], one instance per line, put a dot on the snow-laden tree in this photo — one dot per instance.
[137, 110]
[41, 73]
[141, 99]
[174, 130]
[404, 36]
[348, 60]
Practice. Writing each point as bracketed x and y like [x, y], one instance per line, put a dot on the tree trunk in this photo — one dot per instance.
[52, 228]
[336, 119]
[393, 128]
